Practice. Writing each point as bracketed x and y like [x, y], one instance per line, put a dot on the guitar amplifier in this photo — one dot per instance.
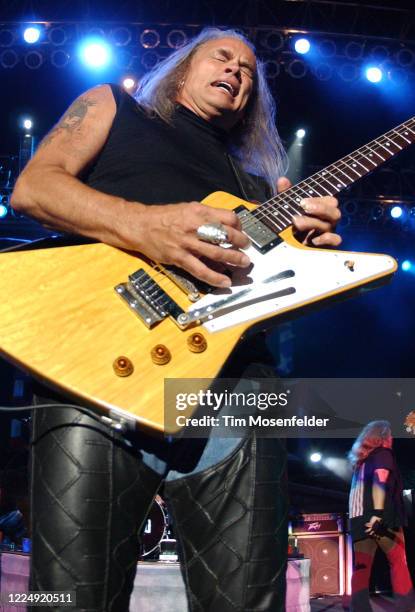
[317, 523]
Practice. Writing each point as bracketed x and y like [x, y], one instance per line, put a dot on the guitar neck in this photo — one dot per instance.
[278, 212]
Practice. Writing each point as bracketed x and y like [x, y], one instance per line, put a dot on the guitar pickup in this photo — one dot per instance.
[148, 300]
[262, 237]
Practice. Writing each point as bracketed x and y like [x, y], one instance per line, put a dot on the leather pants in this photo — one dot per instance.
[90, 497]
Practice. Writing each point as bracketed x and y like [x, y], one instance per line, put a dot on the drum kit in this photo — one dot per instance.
[156, 538]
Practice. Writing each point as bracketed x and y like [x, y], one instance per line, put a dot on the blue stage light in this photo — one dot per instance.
[316, 457]
[3, 211]
[95, 53]
[300, 133]
[32, 34]
[374, 74]
[396, 212]
[129, 83]
[27, 123]
[406, 265]
[302, 46]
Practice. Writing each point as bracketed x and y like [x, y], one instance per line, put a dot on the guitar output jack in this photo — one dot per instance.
[197, 343]
[123, 366]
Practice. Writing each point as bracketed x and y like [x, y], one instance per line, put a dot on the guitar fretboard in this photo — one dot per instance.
[278, 212]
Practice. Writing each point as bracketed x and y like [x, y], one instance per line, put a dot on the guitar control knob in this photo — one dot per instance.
[197, 343]
[349, 263]
[123, 366]
[160, 354]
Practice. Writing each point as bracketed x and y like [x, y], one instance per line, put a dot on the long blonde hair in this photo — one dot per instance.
[376, 434]
[254, 140]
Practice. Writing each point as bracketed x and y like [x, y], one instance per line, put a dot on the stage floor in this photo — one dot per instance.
[379, 603]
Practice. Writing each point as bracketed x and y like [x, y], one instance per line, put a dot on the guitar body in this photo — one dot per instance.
[62, 320]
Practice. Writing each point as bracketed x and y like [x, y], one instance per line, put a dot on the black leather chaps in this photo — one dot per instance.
[90, 497]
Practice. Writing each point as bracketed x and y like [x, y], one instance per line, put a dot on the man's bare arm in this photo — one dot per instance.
[73, 118]
[49, 190]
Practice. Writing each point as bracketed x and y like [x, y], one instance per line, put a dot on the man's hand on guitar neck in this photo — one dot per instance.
[315, 227]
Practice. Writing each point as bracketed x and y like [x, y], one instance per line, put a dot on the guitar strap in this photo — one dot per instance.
[246, 183]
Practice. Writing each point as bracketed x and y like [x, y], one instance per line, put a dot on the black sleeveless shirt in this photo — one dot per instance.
[147, 160]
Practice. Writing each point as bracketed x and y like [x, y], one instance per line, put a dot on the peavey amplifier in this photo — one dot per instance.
[317, 523]
[319, 537]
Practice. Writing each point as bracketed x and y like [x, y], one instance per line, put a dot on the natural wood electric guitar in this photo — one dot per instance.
[107, 326]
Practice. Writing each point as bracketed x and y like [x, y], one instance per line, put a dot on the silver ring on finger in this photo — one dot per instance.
[215, 233]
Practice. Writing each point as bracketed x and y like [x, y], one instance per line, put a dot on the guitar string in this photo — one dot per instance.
[164, 279]
[282, 204]
[342, 163]
[365, 152]
[271, 205]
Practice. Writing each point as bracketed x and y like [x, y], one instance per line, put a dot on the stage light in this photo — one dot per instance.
[327, 48]
[129, 83]
[176, 39]
[406, 265]
[33, 60]
[348, 72]
[150, 59]
[405, 57]
[302, 46]
[396, 212]
[350, 207]
[316, 457]
[323, 71]
[377, 212]
[95, 54]
[8, 58]
[273, 41]
[297, 69]
[59, 58]
[149, 39]
[32, 34]
[121, 36]
[272, 69]
[3, 211]
[7, 37]
[354, 50]
[300, 133]
[374, 74]
[27, 124]
[58, 35]
[379, 53]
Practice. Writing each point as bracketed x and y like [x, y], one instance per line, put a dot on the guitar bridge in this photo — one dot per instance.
[148, 300]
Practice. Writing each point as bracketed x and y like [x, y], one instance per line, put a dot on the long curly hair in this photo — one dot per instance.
[254, 141]
[376, 434]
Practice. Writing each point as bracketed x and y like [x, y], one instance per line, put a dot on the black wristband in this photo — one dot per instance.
[379, 528]
[378, 512]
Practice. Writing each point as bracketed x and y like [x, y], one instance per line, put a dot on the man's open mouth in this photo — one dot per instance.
[226, 87]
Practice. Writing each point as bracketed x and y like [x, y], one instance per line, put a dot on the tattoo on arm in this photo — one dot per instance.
[71, 120]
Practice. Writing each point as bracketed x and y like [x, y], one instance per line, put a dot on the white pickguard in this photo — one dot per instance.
[317, 273]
